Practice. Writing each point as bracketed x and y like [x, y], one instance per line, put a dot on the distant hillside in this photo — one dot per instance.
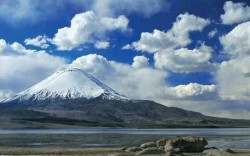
[74, 98]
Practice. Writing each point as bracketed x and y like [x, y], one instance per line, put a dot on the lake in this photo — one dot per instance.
[219, 137]
[168, 132]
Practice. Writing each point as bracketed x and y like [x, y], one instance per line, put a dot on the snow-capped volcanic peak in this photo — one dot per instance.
[69, 83]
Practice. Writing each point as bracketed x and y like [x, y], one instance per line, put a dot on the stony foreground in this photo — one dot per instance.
[187, 146]
[92, 152]
[176, 146]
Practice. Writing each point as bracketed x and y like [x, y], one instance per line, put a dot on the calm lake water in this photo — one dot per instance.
[218, 137]
[168, 132]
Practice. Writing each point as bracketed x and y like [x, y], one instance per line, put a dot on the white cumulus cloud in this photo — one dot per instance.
[184, 60]
[87, 27]
[177, 36]
[5, 94]
[20, 67]
[212, 33]
[30, 11]
[127, 47]
[193, 90]
[102, 45]
[114, 7]
[235, 13]
[169, 47]
[139, 83]
[127, 80]
[140, 62]
[237, 41]
[36, 11]
[41, 41]
[233, 78]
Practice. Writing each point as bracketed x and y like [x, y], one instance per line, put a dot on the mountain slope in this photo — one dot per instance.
[73, 97]
[70, 83]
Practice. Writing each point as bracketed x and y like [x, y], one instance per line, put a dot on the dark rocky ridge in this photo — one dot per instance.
[108, 113]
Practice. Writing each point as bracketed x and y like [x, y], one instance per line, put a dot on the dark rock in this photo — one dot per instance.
[120, 154]
[148, 144]
[150, 150]
[210, 148]
[162, 148]
[133, 149]
[170, 153]
[186, 144]
[228, 150]
[161, 142]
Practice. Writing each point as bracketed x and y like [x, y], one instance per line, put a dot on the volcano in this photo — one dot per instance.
[74, 97]
[71, 83]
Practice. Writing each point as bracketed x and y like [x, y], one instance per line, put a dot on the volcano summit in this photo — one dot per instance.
[71, 83]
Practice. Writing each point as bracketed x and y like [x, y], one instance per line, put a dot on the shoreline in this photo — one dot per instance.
[69, 144]
[108, 140]
[86, 151]
[107, 144]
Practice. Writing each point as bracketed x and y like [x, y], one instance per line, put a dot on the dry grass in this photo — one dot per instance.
[83, 151]
[57, 151]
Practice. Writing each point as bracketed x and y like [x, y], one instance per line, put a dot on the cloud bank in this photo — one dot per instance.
[20, 67]
[30, 11]
[169, 47]
[139, 80]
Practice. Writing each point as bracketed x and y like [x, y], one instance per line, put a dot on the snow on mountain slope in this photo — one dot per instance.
[69, 83]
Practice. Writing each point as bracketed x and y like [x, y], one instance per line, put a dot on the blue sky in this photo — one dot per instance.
[178, 52]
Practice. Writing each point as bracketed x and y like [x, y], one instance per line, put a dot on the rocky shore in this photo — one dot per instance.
[175, 147]
[110, 145]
